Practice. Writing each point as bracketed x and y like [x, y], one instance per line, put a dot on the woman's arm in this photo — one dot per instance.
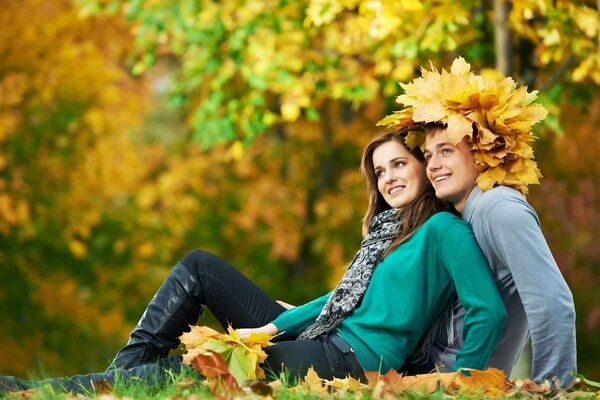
[485, 313]
[295, 320]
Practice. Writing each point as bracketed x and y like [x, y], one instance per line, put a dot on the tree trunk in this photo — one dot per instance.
[503, 39]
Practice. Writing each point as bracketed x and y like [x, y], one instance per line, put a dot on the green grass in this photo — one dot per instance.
[187, 385]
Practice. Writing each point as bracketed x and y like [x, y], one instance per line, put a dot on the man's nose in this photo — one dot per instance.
[433, 163]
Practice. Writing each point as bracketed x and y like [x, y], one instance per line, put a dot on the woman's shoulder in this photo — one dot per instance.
[444, 221]
[445, 230]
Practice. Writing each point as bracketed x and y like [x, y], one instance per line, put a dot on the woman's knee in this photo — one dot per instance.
[196, 256]
[201, 261]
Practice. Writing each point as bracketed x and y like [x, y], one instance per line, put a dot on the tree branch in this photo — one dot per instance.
[559, 72]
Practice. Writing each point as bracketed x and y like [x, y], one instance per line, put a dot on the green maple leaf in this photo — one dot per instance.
[218, 346]
[240, 363]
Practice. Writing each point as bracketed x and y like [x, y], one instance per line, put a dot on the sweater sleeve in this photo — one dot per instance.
[485, 313]
[513, 229]
[295, 320]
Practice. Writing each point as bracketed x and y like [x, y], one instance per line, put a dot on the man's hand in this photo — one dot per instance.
[269, 329]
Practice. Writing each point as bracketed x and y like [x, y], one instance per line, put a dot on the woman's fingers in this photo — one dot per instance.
[285, 305]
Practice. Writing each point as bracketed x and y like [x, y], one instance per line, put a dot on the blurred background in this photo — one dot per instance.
[133, 131]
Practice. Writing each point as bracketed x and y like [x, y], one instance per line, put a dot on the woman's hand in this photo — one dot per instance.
[285, 305]
[269, 329]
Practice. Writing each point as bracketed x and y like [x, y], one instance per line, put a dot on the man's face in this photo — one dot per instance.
[450, 168]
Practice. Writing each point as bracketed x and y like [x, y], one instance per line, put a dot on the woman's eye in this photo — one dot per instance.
[379, 173]
[400, 164]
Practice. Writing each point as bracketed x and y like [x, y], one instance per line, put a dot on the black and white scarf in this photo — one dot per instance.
[384, 228]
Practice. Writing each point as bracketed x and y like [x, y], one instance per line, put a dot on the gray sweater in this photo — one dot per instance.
[530, 283]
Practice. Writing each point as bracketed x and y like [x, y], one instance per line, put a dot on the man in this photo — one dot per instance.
[475, 132]
[536, 296]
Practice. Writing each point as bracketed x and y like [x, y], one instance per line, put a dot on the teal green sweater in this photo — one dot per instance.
[409, 291]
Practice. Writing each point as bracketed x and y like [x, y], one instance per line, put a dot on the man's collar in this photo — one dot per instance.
[471, 203]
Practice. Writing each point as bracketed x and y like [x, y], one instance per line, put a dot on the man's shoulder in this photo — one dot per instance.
[502, 193]
[501, 204]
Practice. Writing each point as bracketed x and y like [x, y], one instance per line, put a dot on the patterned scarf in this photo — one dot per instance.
[349, 292]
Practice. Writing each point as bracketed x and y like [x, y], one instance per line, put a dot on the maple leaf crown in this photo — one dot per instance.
[490, 112]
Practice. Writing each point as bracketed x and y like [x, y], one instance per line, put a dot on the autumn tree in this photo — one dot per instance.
[67, 166]
[248, 69]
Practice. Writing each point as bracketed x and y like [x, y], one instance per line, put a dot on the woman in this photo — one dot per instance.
[414, 260]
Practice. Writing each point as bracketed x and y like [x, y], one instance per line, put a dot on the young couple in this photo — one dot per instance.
[419, 283]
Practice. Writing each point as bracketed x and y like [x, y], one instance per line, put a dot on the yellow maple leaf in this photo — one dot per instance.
[415, 138]
[346, 384]
[458, 127]
[400, 118]
[197, 336]
[482, 383]
[313, 384]
[491, 177]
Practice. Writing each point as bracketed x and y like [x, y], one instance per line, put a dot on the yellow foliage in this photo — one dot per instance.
[68, 163]
[492, 112]
[491, 382]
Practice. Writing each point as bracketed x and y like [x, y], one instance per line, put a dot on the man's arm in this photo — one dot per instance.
[514, 232]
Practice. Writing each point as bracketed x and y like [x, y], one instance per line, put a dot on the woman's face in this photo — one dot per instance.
[400, 176]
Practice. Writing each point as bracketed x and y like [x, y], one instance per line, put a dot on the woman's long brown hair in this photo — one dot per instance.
[413, 214]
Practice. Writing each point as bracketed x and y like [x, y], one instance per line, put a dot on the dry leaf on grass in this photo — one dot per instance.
[475, 382]
[313, 384]
[212, 365]
[103, 386]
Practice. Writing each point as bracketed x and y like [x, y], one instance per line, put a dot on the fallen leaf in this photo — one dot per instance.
[481, 383]
[261, 388]
[313, 384]
[214, 368]
[102, 386]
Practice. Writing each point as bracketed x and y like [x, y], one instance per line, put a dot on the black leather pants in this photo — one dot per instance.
[200, 278]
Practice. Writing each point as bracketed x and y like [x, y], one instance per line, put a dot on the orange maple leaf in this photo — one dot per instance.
[212, 365]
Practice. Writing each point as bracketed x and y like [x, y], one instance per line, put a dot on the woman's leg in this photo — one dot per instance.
[200, 278]
[295, 357]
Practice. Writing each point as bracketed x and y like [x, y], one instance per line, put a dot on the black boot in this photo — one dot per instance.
[76, 383]
[173, 309]
[12, 384]
[155, 373]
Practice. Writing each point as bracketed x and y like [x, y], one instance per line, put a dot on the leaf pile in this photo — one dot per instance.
[231, 366]
[216, 354]
[466, 383]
